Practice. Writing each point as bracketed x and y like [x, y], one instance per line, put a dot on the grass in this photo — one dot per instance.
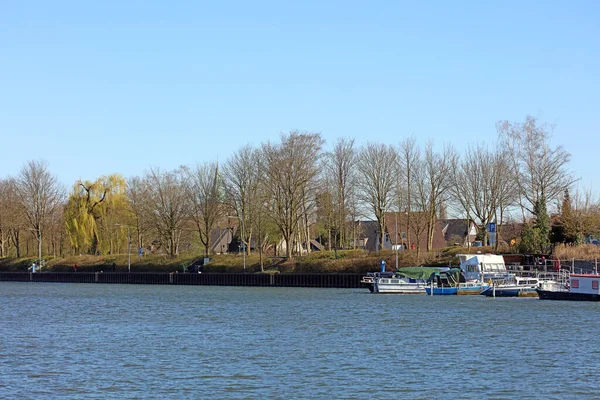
[339, 261]
[581, 252]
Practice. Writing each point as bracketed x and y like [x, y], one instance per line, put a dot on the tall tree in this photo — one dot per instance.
[39, 194]
[535, 237]
[481, 185]
[205, 191]
[377, 164]
[437, 174]
[290, 170]
[93, 212]
[138, 193]
[168, 206]
[242, 183]
[409, 155]
[540, 170]
[341, 173]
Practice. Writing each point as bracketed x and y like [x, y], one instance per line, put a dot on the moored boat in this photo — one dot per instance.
[580, 287]
[408, 280]
[471, 288]
[445, 282]
[441, 290]
[521, 287]
[474, 271]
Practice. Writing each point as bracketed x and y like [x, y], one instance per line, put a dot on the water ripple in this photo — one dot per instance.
[128, 341]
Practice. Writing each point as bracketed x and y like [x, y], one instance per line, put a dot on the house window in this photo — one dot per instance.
[595, 285]
[387, 238]
[575, 283]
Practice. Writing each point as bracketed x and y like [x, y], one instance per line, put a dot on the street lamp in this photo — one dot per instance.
[128, 247]
[243, 244]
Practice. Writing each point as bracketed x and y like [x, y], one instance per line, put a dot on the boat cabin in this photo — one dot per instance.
[584, 283]
[482, 267]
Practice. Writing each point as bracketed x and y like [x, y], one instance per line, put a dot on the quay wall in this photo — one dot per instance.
[207, 279]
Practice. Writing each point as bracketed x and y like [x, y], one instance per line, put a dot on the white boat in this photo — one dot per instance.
[521, 287]
[399, 285]
[483, 267]
[409, 280]
[577, 287]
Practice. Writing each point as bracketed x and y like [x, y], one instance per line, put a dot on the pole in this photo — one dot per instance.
[244, 244]
[128, 250]
[40, 248]
[396, 241]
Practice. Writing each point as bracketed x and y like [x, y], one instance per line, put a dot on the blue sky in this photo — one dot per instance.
[95, 88]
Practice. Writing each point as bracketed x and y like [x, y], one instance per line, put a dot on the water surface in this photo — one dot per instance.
[87, 341]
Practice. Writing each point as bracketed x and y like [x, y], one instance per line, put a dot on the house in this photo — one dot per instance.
[397, 233]
[459, 232]
[220, 240]
[366, 235]
[410, 233]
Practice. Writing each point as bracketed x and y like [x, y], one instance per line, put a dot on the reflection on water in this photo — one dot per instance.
[129, 341]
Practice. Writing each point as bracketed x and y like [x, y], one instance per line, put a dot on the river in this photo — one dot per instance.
[86, 341]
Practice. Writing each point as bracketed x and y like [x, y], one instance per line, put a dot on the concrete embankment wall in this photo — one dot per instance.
[210, 279]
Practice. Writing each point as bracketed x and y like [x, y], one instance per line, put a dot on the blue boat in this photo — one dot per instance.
[441, 291]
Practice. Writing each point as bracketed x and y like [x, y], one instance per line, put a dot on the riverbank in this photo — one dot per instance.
[338, 261]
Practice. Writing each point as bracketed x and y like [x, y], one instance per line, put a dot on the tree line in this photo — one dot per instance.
[291, 190]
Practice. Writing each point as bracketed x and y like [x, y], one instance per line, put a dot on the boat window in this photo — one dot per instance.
[395, 281]
[575, 283]
[595, 285]
[384, 281]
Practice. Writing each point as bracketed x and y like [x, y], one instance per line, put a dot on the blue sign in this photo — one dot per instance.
[491, 227]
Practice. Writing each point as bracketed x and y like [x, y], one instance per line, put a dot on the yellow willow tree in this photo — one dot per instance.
[92, 212]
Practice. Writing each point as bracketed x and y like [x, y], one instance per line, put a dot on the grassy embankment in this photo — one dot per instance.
[341, 261]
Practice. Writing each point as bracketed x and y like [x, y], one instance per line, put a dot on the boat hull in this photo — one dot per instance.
[563, 295]
[398, 288]
[442, 291]
[510, 292]
[471, 290]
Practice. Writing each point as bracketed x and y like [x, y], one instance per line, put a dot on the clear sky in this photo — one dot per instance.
[103, 87]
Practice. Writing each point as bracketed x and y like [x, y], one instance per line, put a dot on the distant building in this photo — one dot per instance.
[459, 232]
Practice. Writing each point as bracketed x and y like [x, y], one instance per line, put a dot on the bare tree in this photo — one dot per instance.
[408, 156]
[437, 175]
[377, 171]
[242, 183]
[14, 215]
[481, 185]
[168, 206]
[420, 203]
[341, 174]
[540, 170]
[138, 194]
[40, 195]
[290, 169]
[6, 190]
[204, 189]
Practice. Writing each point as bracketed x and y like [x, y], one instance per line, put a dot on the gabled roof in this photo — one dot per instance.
[397, 236]
[456, 227]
